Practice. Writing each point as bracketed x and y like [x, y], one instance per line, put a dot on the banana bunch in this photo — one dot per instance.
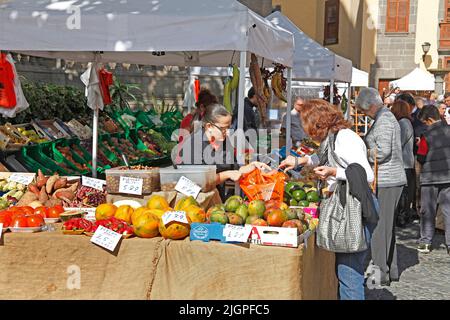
[277, 86]
[235, 79]
[227, 95]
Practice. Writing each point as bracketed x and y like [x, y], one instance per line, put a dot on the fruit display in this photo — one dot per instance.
[301, 194]
[102, 158]
[27, 217]
[164, 145]
[66, 152]
[31, 135]
[279, 82]
[259, 213]
[11, 192]
[87, 197]
[153, 148]
[149, 175]
[11, 138]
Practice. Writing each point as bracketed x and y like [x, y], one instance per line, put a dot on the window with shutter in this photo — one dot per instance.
[331, 29]
[397, 16]
[447, 11]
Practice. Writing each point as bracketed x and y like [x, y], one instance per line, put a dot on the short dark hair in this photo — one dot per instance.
[251, 93]
[407, 97]
[446, 95]
[429, 112]
[206, 98]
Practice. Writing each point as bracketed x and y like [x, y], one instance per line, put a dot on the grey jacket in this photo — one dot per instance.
[384, 137]
[407, 138]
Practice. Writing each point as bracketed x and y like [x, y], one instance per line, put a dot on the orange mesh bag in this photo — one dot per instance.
[263, 186]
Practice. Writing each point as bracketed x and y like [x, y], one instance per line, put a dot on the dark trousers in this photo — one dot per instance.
[384, 251]
[405, 212]
[431, 197]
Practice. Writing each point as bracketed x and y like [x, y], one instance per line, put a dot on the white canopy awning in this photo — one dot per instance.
[416, 80]
[313, 62]
[359, 78]
[189, 33]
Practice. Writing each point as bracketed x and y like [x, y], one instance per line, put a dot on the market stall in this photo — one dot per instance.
[128, 232]
[160, 269]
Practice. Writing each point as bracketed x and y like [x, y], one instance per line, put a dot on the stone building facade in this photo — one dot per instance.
[395, 51]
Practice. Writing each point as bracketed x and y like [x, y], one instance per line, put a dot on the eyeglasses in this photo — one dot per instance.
[222, 129]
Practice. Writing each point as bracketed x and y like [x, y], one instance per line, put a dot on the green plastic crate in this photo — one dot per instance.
[59, 157]
[31, 164]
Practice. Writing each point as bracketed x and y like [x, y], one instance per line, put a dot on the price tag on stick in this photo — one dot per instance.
[23, 178]
[106, 238]
[179, 216]
[93, 183]
[187, 187]
[131, 185]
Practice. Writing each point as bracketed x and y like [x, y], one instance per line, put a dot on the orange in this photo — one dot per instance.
[124, 213]
[105, 211]
[157, 202]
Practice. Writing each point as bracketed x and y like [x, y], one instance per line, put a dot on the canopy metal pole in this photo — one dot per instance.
[331, 91]
[240, 142]
[191, 83]
[288, 112]
[94, 142]
[349, 97]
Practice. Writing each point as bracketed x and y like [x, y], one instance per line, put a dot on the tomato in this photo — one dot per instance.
[19, 222]
[35, 220]
[59, 208]
[42, 211]
[16, 214]
[53, 213]
[5, 219]
[28, 211]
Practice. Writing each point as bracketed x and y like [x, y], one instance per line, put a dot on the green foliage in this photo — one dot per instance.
[49, 101]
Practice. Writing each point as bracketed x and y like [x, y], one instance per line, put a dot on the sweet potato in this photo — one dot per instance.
[60, 184]
[65, 195]
[33, 188]
[50, 183]
[41, 179]
[27, 198]
[43, 196]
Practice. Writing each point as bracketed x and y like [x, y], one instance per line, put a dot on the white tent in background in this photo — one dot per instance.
[416, 80]
[359, 78]
[313, 62]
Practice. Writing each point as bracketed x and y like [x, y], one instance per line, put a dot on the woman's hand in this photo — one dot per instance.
[234, 175]
[325, 172]
[254, 165]
[289, 163]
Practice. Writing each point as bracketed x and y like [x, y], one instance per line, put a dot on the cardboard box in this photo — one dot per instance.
[278, 237]
[206, 232]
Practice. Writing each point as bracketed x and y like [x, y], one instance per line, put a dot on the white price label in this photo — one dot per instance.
[179, 216]
[106, 238]
[187, 187]
[131, 185]
[93, 183]
[236, 233]
[23, 178]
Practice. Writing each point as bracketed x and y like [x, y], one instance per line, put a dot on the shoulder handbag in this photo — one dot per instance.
[340, 227]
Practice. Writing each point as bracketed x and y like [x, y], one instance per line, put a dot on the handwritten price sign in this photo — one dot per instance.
[93, 183]
[187, 187]
[131, 185]
[106, 238]
[179, 216]
[23, 178]
[234, 233]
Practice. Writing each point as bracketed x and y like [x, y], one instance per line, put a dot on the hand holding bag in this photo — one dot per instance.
[341, 226]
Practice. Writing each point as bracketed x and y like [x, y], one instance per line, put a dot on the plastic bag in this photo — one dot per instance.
[263, 186]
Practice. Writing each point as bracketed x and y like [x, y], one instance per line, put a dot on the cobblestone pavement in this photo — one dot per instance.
[422, 276]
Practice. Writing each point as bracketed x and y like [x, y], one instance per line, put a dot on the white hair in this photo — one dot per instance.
[367, 98]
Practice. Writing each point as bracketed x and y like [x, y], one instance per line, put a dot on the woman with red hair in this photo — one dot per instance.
[325, 123]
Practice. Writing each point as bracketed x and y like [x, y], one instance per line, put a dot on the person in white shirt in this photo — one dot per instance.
[321, 120]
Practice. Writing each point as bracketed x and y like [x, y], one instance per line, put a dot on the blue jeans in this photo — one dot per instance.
[350, 269]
